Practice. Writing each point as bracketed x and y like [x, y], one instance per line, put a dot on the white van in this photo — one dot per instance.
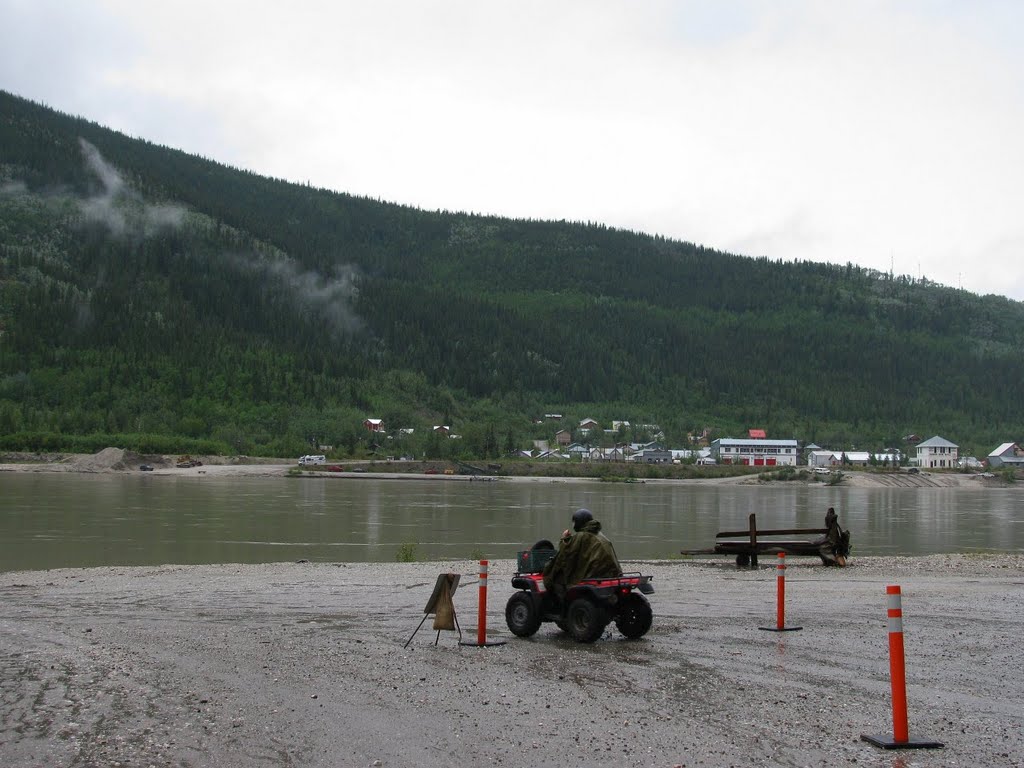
[308, 460]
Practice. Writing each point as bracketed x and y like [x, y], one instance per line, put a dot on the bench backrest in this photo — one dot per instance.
[752, 532]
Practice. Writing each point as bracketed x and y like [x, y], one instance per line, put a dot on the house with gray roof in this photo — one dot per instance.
[936, 453]
[652, 456]
[1006, 455]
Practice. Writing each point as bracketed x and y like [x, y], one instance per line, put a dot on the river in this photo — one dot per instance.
[70, 520]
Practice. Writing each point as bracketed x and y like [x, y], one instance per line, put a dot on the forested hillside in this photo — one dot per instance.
[165, 302]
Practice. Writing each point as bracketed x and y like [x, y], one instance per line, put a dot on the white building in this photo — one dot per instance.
[822, 458]
[936, 453]
[889, 458]
[855, 458]
[700, 456]
[755, 452]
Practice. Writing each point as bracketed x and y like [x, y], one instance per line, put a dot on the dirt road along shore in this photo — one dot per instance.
[304, 665]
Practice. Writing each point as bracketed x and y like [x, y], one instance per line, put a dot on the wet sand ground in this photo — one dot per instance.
[303, 665]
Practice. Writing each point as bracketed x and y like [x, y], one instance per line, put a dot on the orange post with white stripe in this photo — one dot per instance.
[897, 666]
[481, 618]
[780, 599]
[898, 681]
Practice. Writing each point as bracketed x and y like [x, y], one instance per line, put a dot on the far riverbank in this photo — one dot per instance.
[119, 460]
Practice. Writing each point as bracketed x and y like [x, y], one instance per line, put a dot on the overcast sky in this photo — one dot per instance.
[886, 134]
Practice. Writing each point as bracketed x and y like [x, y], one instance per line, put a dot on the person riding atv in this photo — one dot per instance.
[583, 553]
[581, 587]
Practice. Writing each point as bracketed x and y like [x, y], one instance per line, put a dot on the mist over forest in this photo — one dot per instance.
[164, 302]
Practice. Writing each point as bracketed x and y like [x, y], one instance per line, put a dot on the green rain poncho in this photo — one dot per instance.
[586, 553]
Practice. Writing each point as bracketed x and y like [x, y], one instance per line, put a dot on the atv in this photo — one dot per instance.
[587, 608]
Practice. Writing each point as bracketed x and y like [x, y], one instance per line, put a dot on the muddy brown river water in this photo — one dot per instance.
[50, 520]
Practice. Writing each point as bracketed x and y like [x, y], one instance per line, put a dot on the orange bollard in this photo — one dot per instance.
[481, 623]
[897, 666]
[780, 593]
[481, 619]
[898, 681]
[780, 599]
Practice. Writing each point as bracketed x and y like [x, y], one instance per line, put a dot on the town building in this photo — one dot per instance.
[824, 458]
[755, 452]
[605, 454]
[936, 453]
[652, 456]
[1006, 455]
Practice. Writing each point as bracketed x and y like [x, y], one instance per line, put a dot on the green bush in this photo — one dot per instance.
[406, 553]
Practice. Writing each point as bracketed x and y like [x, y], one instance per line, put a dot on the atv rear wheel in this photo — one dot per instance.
[635, 616]
[585, 620]
[522, 614]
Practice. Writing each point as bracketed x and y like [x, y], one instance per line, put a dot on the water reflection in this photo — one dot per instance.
[82, 520]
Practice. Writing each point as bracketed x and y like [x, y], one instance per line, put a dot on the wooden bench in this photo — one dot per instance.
[747, 545]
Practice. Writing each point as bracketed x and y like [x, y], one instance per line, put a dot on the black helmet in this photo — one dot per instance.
[580, 518]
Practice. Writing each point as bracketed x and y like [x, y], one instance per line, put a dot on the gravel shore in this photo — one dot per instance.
[117, 460]
[303, 664]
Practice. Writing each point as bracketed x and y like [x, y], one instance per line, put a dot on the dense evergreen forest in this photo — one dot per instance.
[164, 302]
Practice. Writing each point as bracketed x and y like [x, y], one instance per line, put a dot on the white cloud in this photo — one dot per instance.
[870, 132]
[119, 208]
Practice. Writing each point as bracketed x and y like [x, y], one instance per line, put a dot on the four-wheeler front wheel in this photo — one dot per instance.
[522, 614]
[635, 616]
[586, 620]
